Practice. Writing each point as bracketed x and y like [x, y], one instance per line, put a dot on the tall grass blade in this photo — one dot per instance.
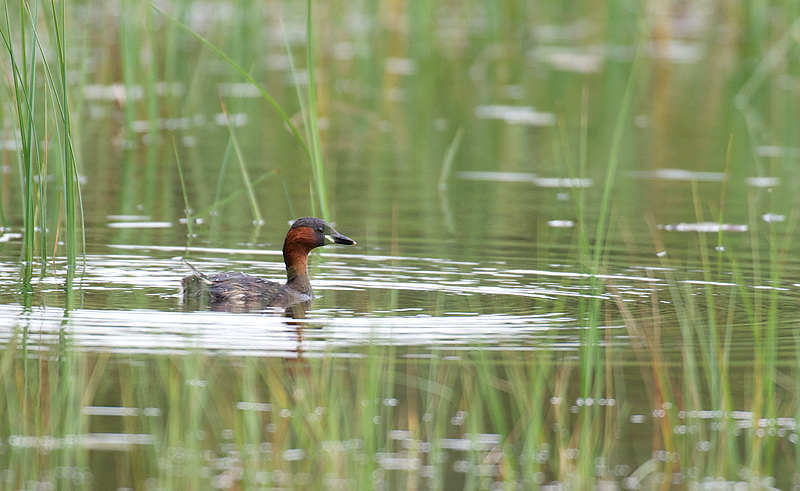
[71, 186]
[317, 163]
[449, 158]
[590, 359]
[251, 195]
[287, 195]
[187, 208]
[23, 99]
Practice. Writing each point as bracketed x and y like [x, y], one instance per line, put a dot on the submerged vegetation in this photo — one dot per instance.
[508, 165]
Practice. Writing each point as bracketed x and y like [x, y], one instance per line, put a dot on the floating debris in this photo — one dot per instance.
[239, 90]
[140, 224]
[677, 52]
[93, 441]
[11, 144]
[401, 66]
[515, 115]
[119, 92]
[119, 411]
[9, 236]
[562, 182]
[543, 182]
[169, 124]
[577, 60]
[687, 175]
[773, 218]
[294, 454]
[497, 176]
[235, 119]
[676, 175]
[709, 227]
[763, 182]
[197, 220]
[576, 31]
[128, 218]
[776, 151]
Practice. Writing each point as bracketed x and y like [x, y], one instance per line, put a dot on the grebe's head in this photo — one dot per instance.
[310, 232]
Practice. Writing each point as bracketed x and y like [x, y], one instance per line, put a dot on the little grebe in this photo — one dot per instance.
[304, 235]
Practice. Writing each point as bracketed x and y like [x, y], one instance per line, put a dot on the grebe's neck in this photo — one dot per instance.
[295, 256]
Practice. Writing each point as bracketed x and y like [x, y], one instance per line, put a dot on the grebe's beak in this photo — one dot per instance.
[336, 238]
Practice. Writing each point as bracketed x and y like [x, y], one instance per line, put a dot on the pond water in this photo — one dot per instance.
[473, 338]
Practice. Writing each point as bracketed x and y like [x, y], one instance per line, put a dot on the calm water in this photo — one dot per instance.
[451, 348]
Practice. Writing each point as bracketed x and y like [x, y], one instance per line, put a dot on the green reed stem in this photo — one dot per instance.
[771, 345]
[449, 158]
[310, 116]
[71, 192]
[590, 359]
[70, 181]
[24, 100]
[317, 163]
[251, 195]
[286, 193]
[187, 208]
[29, 145]
[708, 333]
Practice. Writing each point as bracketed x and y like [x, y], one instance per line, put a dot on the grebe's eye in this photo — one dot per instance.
[320, 229]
